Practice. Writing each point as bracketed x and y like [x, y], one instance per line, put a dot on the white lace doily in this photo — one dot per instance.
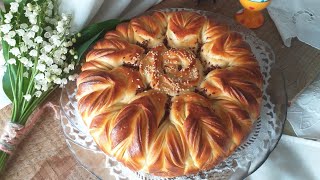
[245, 160]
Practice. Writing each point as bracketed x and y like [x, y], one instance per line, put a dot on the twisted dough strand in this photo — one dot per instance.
[184, 30]
[111, 53]
[99, 90]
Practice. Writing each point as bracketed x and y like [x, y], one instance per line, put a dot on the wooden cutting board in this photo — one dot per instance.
[44, 155]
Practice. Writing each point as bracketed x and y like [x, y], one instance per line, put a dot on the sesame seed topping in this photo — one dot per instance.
[171, 71]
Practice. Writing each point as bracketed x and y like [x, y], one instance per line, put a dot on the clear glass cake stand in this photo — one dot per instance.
[244, 161]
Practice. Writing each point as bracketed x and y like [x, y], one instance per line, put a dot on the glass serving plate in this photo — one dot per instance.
[247, 158]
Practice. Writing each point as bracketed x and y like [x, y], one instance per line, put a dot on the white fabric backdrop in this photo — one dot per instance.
[293, 159]
[297, 18]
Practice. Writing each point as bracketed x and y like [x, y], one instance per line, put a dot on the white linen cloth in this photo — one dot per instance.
[304, 113]
[86, 11]
[293, 159]
[297, 18]
[81, 11]
[99, 10]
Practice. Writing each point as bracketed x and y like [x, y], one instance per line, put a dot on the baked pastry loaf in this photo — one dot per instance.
[170, 94]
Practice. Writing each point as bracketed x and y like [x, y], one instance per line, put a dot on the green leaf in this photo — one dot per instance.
[22, 18]
[7, 4]
[94, 29]
[26, 82]
[8, 1]
[85, 46]
[5, 48]
[91, 34]
[1, 16]
[7, 85]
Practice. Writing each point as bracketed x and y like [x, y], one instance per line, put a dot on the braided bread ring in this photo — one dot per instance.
[170, 94]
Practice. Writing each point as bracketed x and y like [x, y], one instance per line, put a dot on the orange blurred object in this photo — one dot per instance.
[251, 16]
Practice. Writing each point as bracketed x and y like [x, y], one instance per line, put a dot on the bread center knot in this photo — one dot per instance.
[172, 71]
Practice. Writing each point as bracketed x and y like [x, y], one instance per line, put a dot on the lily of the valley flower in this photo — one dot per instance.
[43, 45]
[38, 55]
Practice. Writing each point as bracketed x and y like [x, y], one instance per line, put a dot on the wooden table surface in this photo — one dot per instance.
[44, 155]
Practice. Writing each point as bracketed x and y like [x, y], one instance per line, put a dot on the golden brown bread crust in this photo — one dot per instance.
[184, 29]
[156, 107]
[224, 49]
[98, 90]
[111, 53]
[121, 32]
[212, 30]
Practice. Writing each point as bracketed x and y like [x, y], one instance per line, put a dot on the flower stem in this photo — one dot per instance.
[3, 160]
[29, 109]
[14, 111]
[31, 88]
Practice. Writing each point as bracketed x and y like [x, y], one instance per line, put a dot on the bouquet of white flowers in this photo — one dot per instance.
[40, 54]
